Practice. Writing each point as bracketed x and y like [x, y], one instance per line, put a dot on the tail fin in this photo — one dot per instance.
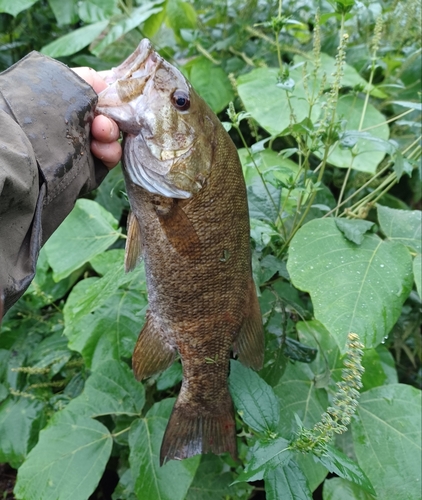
[193, 430]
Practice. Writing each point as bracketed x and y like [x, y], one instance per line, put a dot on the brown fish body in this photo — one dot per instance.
[202, 299]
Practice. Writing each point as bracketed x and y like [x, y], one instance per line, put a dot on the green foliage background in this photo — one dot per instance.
[326, 116]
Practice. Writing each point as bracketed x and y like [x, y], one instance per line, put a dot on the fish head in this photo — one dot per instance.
[168, 128]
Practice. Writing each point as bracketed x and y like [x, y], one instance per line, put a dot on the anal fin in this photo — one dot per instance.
[133, 250]
[151, 354]
[250, 344]
[180, 232]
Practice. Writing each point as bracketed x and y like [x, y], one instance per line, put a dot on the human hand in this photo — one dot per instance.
[105, 131]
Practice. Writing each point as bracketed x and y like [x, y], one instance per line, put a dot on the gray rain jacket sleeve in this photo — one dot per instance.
[45, 161]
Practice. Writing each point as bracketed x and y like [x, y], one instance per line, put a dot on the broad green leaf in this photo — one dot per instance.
[170, 377]
[20, 422]
[388, 364]
[74, 41]
[91, 11]
[298, 395]
[180, 15]
[354, 229]
[403, 226]
[263, 201]
[107, 261]
[111, 389]
[120, 28]
[374, 374]
[51, 352]
[254, 399]
[152, 482]
[314, 472]
[299, 352]
[65, 12]
[287, 482]
[67, 462]
[87, 231]
[417, 273]
[340, 464]
[337, 488]
[387, 440]
[268, 103]
[111, 193]
[265, 456]
[13, 7]
[353, 288]
[103, 317]
[369, 147]
[211, 83]
[212, 481]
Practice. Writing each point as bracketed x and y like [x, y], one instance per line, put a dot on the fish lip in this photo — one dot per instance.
[162, 154]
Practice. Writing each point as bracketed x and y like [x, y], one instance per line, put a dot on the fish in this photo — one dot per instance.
[189, 222]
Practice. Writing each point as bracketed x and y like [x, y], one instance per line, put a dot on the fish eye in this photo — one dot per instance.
[180, 100]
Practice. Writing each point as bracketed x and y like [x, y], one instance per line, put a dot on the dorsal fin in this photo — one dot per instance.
[133, 251]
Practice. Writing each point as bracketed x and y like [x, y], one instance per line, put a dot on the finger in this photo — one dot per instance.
[91, 77]
[104, 129]
[109, 153]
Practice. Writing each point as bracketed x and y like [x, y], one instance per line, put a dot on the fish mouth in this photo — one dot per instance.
[163, 154]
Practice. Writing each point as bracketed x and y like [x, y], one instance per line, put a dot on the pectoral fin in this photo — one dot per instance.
[151, 355]
[133, 250]
[249, 345]
[180, 232]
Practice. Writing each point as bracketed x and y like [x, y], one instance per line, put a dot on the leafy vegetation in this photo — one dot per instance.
[323, 102]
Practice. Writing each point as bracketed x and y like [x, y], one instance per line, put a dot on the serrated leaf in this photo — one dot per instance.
[417, 273]
[74, 41]
[20, 420]
[103, 317]
[67, 462]
[254, 399]
[387, 440]
[87, 231]
[354, 229]
[353, 289]
[212, 481]
[265, 456]
[340, 464]
[120, 28]
[111, 389]
[211, 83]
[298, 395]
[337, 488]
[13, 7]
[152, 482]
[403, 226]
[287, 482]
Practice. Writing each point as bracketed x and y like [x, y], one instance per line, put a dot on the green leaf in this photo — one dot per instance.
[170, 377]
[91, 11]
[298, 395]
[254, 399]
[287, 482]
[213, 481]
[13, 7]
[314, 472]
[340, 464]
[74, 41]
[67, 462]
[51, 352]
[417, 273]
[120, 28]
[387, 440]
[337, 488]
[370, 147]
[65, 12]
[20, 421]
[354, 229]
[374, 374]
[107, 261]
[152, 482]
[264, 202]
[87, 231]
[403, 226]
[353, 288]
[103, 317]
[409, 105]
[299, 352]
[180, 15]
[265, 456]
[268, 103]
[211, 82]
[111, 389]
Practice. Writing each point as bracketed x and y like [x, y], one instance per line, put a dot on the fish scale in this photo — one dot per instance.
[195, 244]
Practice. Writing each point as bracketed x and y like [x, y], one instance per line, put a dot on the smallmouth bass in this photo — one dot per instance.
[189, 221]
